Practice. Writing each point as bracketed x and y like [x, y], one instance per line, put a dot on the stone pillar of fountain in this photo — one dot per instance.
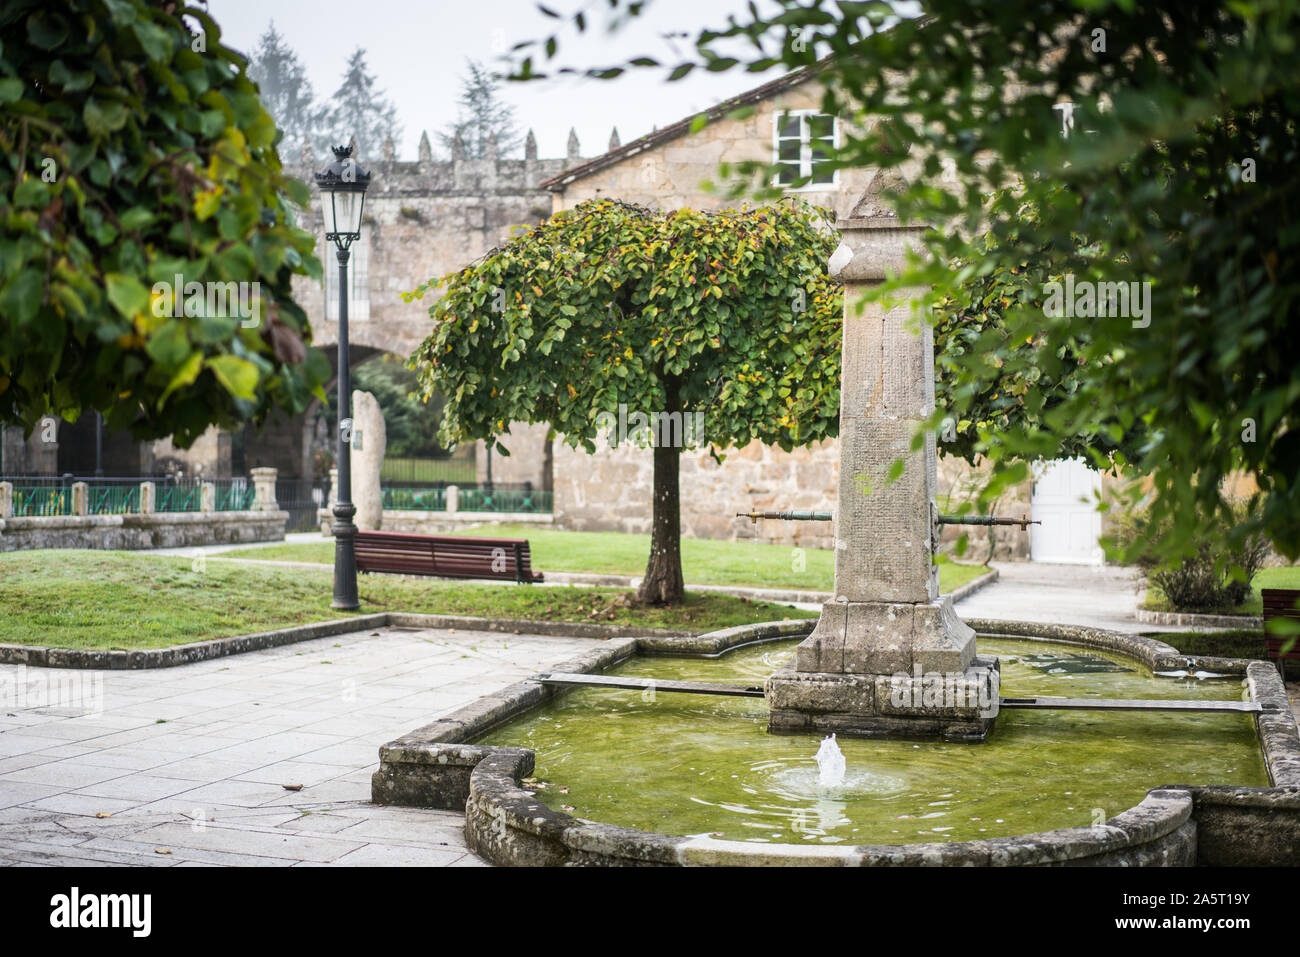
[889, 656]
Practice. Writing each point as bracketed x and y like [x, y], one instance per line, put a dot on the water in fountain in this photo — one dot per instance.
[695, 764]
[830, 764]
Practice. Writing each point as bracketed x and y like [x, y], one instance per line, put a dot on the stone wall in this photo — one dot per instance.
[422, 219]
[611, 491]
[529, 459]
[157, 530]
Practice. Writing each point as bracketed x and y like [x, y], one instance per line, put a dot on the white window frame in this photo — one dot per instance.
[358, 280]
[805, 149]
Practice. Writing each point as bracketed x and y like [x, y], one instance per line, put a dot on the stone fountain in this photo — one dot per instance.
[889, 656]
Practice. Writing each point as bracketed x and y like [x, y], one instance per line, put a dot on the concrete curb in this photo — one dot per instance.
[38, 656]
[1148, 617]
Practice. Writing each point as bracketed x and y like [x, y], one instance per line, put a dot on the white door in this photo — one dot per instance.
[1065, 501]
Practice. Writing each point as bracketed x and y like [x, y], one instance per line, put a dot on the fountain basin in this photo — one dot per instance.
[461, 762]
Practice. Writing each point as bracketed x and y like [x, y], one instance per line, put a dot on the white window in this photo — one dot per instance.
[802, 143]
[358, 280]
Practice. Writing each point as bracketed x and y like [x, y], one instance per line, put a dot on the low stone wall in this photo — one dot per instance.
[136, 531]
[1247, 827]
[1175, 825]
[1196, 621]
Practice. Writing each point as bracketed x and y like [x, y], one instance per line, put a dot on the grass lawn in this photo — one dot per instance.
[1284, 577]
[704, 561]
[96, 599]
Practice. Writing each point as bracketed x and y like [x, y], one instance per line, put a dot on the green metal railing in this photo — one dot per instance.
[416, 499]
[113, 499]
[33, 500]
[177, 498]
[232, 497]
[505, 500]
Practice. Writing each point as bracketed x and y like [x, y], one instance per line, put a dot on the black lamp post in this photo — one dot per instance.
[343, 194]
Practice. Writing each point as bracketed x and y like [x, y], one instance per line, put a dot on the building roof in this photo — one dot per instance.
[558, 182]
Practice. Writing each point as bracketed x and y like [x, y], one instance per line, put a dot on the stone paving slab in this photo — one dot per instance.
[192, 760]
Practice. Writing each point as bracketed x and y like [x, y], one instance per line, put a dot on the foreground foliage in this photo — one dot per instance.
[134, 150]
[1180, 172]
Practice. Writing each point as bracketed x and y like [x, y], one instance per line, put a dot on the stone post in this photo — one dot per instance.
[6, 499]
[208, 496]
[452, 499]
[148, 497]
[369, 441]
[334, 488]
[264, 490]
[80, 498]
[886, 636]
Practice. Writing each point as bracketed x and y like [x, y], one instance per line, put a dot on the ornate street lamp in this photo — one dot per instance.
[342, 195]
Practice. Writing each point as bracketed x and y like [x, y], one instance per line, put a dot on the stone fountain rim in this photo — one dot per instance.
[440, 766]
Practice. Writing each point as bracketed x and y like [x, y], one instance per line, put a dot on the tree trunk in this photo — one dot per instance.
[662, 584]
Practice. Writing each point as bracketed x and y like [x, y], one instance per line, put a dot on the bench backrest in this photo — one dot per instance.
[445, 555]
[1280, 603]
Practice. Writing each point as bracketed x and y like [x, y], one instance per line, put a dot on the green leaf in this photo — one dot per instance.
[189, 371]
[127, 294]
[239, 376]
[22, 296]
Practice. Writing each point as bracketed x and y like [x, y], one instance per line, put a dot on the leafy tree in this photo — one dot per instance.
[359, 108]
[133, 151]
[1181, 171]
[483, 115]
[997, 382]
[286, 92]
[730, 314]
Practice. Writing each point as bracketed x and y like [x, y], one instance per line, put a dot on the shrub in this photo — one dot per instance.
[1218, 576]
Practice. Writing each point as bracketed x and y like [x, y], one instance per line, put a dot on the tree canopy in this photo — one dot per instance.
[727, 314]
[1178, 174]
[135, 155]
[609, 303]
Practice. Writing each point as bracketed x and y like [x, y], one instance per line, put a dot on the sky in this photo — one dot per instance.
[417, 51]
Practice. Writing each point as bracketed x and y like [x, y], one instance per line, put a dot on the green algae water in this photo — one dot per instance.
[697, 764]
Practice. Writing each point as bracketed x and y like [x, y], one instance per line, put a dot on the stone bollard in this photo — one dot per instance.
[453, 499]
[264, 490]
[369, 439]
[80, 498]
[334, 488]
[208, 497]
[6, 499]
[148, 497]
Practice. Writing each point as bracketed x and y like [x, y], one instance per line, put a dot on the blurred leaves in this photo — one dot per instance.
[131, 155]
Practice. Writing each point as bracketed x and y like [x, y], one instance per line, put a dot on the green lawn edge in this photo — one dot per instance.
[83, 599]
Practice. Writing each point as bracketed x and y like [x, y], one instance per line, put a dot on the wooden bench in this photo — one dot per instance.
[1281, 603]
[445, 556]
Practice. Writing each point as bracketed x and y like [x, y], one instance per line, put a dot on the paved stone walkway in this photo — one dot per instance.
[187, 766]
[1100, 596]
